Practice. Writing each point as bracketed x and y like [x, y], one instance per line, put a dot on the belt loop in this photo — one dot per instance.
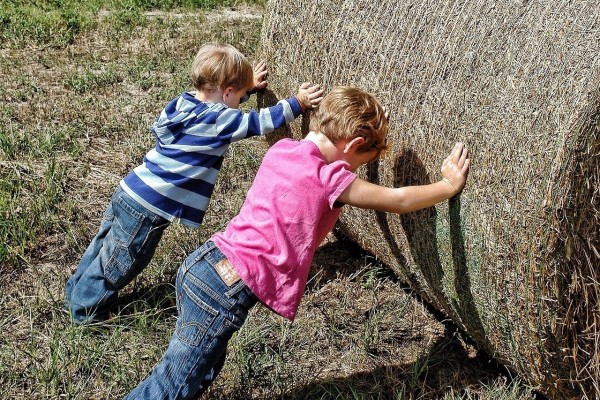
[203, 250]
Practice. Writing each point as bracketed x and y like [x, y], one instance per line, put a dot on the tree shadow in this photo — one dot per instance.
[159, 297]
[446, 367]
[420, 229]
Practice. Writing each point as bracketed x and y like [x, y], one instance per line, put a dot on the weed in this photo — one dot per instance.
[89, 80]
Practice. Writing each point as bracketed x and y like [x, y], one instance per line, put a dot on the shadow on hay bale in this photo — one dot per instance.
[421, 236]
[514, 260]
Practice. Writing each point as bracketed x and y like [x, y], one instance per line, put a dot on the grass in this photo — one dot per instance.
[81, 82]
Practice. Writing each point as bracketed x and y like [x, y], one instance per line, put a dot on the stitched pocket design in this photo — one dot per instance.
[195, 317]
[119, 242]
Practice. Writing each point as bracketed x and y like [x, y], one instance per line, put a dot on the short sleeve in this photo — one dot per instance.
[336, 177]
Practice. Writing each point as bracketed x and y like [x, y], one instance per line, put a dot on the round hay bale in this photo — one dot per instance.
[514, 260]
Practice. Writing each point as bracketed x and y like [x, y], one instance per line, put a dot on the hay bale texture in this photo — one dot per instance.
[514, 260]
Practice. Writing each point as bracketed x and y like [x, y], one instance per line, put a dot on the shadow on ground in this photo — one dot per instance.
[447, 366]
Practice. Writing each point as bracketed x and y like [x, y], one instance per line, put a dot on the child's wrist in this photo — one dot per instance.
[302, 107]
[450, 183]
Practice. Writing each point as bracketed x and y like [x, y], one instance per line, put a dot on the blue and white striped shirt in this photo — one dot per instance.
[177, 177]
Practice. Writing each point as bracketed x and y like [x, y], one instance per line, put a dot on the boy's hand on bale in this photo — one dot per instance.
[309, 95]
[260, 75]
[455, 168]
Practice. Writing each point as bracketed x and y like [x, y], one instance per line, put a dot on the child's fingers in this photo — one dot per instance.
[260, 65]
[262, 74]
[316, 101]
[316, 97]
[262, 84]
[316, 94]
[305, 85]
[463, 157]
[465, 168]
[447, 160]
[456, 152]
[314, 88]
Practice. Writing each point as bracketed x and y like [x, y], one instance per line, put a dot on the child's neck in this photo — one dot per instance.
[216, 96]
[330, 151]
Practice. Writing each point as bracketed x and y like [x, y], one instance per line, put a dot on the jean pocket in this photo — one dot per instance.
[195, 317]
[121, 243]
[127, 221]
[119, 265]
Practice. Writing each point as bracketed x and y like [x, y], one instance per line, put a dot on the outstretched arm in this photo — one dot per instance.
[455, 168]
[233, 124]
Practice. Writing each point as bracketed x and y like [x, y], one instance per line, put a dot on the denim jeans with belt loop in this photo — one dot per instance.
[210, 311]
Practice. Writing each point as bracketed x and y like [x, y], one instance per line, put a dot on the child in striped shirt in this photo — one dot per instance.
[177, 176]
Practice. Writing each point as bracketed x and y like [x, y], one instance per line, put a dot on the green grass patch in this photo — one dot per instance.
[90, 80]
[51, 23]
[28, 199]
[56, 23]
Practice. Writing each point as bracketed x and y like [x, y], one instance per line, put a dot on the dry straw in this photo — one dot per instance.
[515, 259]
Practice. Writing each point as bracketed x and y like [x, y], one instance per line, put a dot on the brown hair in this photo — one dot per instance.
[347, 113]
[219, 66]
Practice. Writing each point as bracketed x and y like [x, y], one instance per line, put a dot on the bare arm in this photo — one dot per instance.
[455, 168]
[363, 194]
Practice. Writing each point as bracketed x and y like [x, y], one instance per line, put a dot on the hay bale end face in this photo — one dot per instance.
[515, 259]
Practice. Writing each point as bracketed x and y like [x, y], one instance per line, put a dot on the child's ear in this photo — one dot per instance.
[227, 91]
[354, 144]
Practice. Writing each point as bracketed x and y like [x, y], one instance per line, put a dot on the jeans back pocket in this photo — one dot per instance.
[195, 317]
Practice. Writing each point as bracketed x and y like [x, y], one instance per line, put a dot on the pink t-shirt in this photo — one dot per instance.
[288, 211]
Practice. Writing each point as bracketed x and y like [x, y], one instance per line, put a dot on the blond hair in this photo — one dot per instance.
[347, 113]
[219, 66]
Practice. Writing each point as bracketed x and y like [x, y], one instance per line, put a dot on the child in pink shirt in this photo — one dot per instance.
[265, 252]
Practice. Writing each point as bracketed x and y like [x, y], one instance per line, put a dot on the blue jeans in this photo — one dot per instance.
[122, 248]
[209, 313]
